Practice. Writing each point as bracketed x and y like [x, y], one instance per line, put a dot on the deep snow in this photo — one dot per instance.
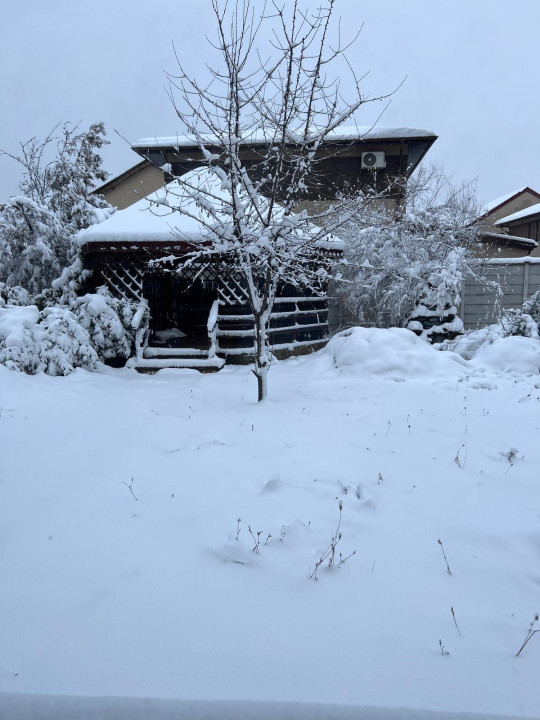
[104, 594]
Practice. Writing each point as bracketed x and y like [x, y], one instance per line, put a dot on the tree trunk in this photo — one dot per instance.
[262, 385]
[262, 357]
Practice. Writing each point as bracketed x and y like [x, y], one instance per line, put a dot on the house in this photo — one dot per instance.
[200, 317]
[511, 242]
[507, 233]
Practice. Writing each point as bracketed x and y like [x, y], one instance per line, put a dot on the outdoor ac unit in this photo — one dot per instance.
[373, 160]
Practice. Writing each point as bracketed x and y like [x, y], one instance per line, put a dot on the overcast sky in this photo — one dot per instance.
[472, 69]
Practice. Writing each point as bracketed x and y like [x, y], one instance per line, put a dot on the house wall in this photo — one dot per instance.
[130, 189]
[527, 228]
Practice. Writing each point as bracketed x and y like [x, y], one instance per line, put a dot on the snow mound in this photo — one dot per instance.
[394, 352]
[511, 354]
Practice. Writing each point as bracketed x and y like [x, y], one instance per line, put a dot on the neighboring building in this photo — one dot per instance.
[200, 317]
[505, 235]
[511, 273]
[524, 224]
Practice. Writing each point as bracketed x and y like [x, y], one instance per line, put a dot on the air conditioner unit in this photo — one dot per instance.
[373, 160]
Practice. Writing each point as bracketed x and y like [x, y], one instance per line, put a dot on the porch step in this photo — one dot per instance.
[174, 352]
[155, 359]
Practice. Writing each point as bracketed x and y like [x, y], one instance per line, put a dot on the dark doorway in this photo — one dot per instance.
[179, 310]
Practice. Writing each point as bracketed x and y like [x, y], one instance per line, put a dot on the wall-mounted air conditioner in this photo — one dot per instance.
[373, 160]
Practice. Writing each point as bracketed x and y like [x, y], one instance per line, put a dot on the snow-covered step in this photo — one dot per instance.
[204, 364]
[162, 352]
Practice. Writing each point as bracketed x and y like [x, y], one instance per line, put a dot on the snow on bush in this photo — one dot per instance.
[57, 339]
[51, 341]
[406, 270]
[524, 321]
[513, 323]
[107, 321]
[19, 346]
[13, 295]
[510, 354]
[64, 343]
[394, 352]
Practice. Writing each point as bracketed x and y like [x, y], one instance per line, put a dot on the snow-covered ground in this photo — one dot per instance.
[127, 563]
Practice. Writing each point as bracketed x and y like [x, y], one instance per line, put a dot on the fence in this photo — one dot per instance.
[517, 278]
[513, 281]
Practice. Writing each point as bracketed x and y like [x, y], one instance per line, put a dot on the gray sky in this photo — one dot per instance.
[472, 70]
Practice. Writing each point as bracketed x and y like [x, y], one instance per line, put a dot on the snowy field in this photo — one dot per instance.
[128, 568]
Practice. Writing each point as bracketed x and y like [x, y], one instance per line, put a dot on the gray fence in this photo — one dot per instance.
[517, 278]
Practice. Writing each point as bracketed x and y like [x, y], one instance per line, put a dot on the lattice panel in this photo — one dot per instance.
[124, 278]
[232, 289]
[206, 272]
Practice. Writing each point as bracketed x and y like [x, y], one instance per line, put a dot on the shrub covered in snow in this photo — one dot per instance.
[55, 201]
[56, 339]
[64, 343]
[108, 322]
[515, 322]
[13, 295]
[406, 270]
[518, 322]
[522, 322]
[51, 341]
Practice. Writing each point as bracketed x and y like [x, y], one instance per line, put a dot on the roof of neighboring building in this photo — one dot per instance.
[514, 240]
[498, 202]
[532, 210]
[343, 134]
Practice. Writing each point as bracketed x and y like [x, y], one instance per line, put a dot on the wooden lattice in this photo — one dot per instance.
[232, 290]
[124, 278]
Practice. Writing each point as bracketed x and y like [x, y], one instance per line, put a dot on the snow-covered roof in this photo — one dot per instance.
[532, 210]
[155, 219]
[492, 204]
[148, 220]
[343, 134]
[512, 238]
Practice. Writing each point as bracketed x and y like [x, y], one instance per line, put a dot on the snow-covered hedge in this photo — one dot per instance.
[13, 295]
[513, 323]
[50, 341]
[57, 338]
[108, 322]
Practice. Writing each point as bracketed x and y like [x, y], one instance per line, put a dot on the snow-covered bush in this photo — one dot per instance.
[64, 344]
[108, 322]
[514, 322]
[55, 201]
[13, 295]
[56, 339]
[34, 245]
[405, 267]
[522, 322]
[19, 347]
[518, 322]
[532, 307]
[51, 341]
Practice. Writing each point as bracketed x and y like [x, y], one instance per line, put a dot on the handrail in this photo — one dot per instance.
[140, 323]
[212, 326]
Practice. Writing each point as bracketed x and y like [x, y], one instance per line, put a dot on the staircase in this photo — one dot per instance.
[157, 358]
[151, 358]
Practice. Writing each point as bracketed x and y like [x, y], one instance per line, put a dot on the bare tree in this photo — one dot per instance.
[278, 99]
